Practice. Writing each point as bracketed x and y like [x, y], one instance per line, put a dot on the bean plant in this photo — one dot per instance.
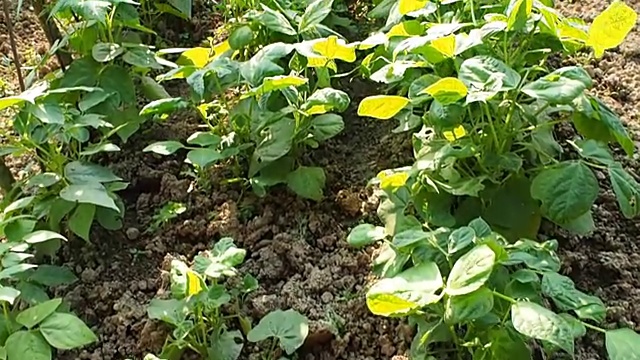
[472, 80]
[203, 305]
[474, 295]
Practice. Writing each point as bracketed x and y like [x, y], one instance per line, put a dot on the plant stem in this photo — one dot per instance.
[14, 47]
[592, 327]
[504, 297]
[473, 12]
[493, 129]
[456, 341]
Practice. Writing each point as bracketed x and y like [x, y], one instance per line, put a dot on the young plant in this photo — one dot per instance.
[167, 212]
[32, 325]
[282, 109]
[287, 329]
[473, 294]
[198, 294]
[473, 80]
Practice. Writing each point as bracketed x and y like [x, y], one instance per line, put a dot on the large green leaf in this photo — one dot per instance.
[325, 100]
[566, 191]
[276, 141]
[289, 327]
[627, 190]
[35, 314]
[537, 322]
[623, 344]
[91, 193]
[410, 290]
[226, 346]
[116, 79]
[23, 345]
[85, 173]
[365, 234]
[241, 37]
[471, 271]
[275, 21]
[204, 157]
[468, 307]
[52, 275]
[326, 126]
[81, 72]
[66, 331]
[81, 219]
[184, 6]
[506, 344]
[566, 297]
[263, 63]
[314, 14]
[480, 70]
[561, 86]
[594, 150]
[105, 52]
[307, 182]
[171, 311]
[47, 112]
[595, 120]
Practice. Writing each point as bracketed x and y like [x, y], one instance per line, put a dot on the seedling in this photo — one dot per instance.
[167, 212]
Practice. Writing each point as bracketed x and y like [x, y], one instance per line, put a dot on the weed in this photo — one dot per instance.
[167, 212]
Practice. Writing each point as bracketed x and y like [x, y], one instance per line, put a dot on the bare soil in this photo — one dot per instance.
[297, 248]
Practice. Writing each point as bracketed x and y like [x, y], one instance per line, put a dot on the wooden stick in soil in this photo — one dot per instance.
[12, 39]
[52, 32]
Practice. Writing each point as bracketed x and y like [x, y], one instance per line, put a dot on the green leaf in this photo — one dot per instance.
[289, 327]
[307, 182]
[91, 193]
[66, 331]
[411, 237]
[566, 191]
[34, 315]
[480, 70]
[86, 173]
[480, 227]
[365, 234]
[325, 100]
[518, 13]
[204, 139]
[51, 275]
[471, 271]
[48, 113]
[226, 346]
[275, 21]
[578, 328]
[152, 90]
[276, 141]
[104, 52]
[8, 294]
[43, 180]
[164, 106]
[594, 150]
[561, 86]
[141, 57]
[184, 6]
[241, 37]
[582, 225]
[23, 345]
[203, 157]
[622, 344]
[81, 72]
[40, 236]
[81, 219]
[326, 126]
[627, 190]
[602, 123]
[463, 308]
[116, 79]
[98, 148]
[317, 11]
[410, 290]
[171, 311]
[164, 147]
[506, 344]
[461, 238]
[566, 297]
[262, 64]
[537, 322]
[275, 83]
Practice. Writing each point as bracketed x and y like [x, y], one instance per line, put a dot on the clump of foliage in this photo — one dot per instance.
[472, 80]
[471, 289]
[31, 324]
[199, 296]
[286, 105]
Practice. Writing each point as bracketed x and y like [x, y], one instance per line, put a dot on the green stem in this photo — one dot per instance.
[473, 12]
[456, 341]
[493, 128]
[601, 167]
[592, 327]
[504, 297]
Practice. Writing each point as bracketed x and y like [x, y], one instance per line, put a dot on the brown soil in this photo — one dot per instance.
[297, 248]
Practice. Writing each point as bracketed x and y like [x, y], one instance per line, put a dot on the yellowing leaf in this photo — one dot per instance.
[611, 27]
[275, 83]
[10, 101]
[457, 133]
[393, 181]
[447, 90]
[194, 284]
[198, 56]
[570, 31]
[318, 109]
[406, 28]
[334, 48]
[408, 6]
[382, 107]
[445, 45]
[387, 305]
[220, 49]
[316, 62]
[202, 110]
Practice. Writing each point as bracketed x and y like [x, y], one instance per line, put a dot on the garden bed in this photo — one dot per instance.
[296, 248]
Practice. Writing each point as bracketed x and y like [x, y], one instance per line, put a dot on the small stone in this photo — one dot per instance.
[133, 233]
[142, 285]
[326, 297]
[88, 275]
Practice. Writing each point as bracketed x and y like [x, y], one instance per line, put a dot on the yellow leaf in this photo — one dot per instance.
[334, 48]
[446, 45]
[569, 30]
[408, 6]
[10, 101]
[315, 62]
[220, 49]
[457, 133]
[194, 284]
[387, 305]
[382, 107]
[197, 56]
[447, 90]
[611, 27]
[318, 109]
[406, 28]
[202, 110]
[275, 83]
[393, 181]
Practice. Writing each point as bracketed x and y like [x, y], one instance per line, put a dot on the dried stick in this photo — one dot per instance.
[14, 47]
